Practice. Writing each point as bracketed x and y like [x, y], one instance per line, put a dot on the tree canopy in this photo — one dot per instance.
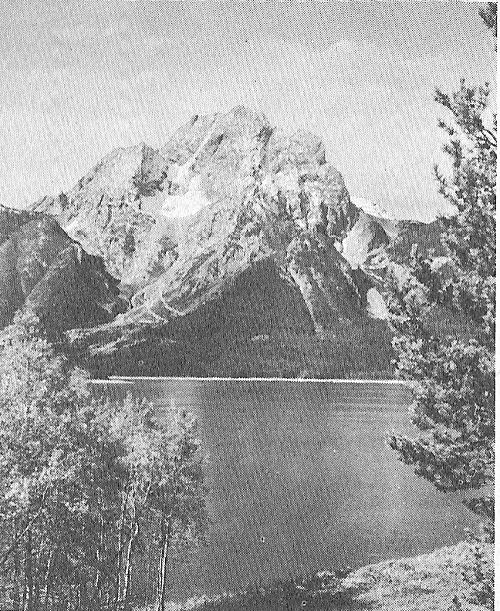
[451, 369]
[85, 484]
[444, 318]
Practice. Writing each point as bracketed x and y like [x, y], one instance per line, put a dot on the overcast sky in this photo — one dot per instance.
[78, 78]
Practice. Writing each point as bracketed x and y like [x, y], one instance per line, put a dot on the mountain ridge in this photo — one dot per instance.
[225, 192]
[229, 195]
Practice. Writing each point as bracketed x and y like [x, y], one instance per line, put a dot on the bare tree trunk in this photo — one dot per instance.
[37, 574]
[151, 577]
[128, 560]
[47, 580]
[84, 599]
[23, 605]
[166, 532]
[163, 538]
[16, 599]
[166, 540]
[108, 599]
[99, 555]
[120, 554]
[28, 569]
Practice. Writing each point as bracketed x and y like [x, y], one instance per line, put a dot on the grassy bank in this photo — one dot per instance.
[420, 583]
[428, 582]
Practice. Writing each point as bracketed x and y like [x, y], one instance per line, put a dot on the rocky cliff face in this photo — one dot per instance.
[226, 191]
[230, 197]
[42, 270]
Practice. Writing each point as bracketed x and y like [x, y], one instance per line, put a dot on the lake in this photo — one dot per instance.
[302, 480]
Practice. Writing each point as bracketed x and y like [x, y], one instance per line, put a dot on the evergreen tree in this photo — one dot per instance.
[450, 365]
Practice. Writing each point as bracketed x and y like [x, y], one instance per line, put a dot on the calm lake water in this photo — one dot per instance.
[301, 479]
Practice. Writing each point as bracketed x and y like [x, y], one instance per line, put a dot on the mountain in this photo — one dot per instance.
[240, 250]
[227, 191]
[49, 274]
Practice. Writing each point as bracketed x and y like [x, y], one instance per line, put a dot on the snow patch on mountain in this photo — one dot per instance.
[376, 305]
[370, 207]
[178, 205]
[367, 235]
[355, 246]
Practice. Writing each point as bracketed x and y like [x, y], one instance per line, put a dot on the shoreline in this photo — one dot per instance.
[131, 379]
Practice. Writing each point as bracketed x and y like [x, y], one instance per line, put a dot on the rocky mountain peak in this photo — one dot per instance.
[124, 169]
[226, 191]
[215, 168]
[230, 218]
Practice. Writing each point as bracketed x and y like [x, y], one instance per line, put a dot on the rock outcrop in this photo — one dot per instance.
[229, 197]
[43, 271]
[227, 191]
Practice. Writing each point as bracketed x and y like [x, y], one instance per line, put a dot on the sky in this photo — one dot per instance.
[79, 78]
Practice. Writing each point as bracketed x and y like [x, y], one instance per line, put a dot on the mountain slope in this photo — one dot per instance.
[259, 325]
[195, 231]
[47, 273]
[225, 192]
